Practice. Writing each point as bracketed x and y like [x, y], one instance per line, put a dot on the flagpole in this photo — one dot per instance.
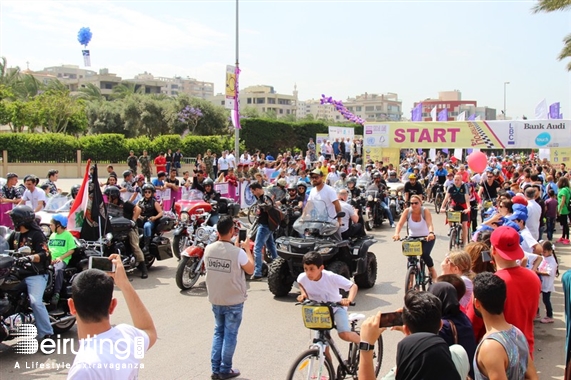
[100, 237]
[236, 130]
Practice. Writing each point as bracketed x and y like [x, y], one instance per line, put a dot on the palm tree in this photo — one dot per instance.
[126, 89]
[90, 92]
[8, 75]
[552, 6]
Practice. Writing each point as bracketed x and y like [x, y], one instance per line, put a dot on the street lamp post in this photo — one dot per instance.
[505, 84]
[236, 130]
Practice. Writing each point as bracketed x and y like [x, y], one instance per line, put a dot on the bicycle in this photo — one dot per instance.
[438, 198]
[416, 273]
[312, 363]
[455, 233]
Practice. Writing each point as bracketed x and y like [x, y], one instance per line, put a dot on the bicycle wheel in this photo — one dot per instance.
[425, 277]
[453, 238]
[410, 279]
[438, 202]
[377, 357]
[252, 213]
[306, 366]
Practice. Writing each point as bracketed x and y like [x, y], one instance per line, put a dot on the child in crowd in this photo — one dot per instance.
[550, 213]
[547, 270]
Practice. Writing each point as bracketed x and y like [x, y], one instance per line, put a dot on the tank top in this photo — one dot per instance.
[417, 229]
[515, 344]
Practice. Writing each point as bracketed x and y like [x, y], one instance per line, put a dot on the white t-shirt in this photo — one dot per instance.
[332, 177]
[328, 196]
[223, 163]
[98, 359]
[231, 160]
[533, 218]
[245, 159]
[349, 212]
[326, 289]
[548, 265]
[32, 199]
[469, 290]
[528, 240]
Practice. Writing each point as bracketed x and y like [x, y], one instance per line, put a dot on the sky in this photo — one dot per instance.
[337, 48]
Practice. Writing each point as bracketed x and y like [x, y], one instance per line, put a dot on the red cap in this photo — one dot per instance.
[505, 241]
[518, 199]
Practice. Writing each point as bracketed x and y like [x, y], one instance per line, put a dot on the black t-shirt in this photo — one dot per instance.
[458, 194]
[169, 157]
[175, 181]
[132, 161]
[413, 189]
[355, 192]
[490, 191]
[128, 210]
[176, 157]
[36, 240]
[263, 203]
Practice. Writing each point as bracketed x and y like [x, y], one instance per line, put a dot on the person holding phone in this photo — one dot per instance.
[92, 303]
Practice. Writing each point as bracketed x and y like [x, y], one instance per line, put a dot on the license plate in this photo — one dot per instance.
[317, 317]
[412, 248]
[454, 216]
[487, 204]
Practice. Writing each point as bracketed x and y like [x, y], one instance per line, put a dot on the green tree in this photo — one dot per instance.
[105, 117]
[250, 112]
[552, 6]
[126, 89]
[91, 93]
[60, 113]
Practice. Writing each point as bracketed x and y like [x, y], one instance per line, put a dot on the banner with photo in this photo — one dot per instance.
[341, 133]
[386, 155]
[487, 134]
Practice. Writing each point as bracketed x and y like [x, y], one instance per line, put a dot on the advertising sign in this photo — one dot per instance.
[341, 133]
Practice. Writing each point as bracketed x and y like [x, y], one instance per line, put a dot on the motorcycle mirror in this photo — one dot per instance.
[340, 214]
[25, 250]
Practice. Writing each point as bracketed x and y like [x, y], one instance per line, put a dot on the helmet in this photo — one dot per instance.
[75, 190]
[282, 182]
[376, 175]
[352, 180]
[147, 186]
[301, 183]
[113, 191]
[291, 186]
[392, 173]
[208, 182]
[139, 177]
[59, 218]
[496, 172]
[127, 173]
[22, 215]
[412, 176]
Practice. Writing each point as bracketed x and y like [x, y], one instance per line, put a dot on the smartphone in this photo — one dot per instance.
[101, 263]
[486, 257]
[391, 319]
[242, 234]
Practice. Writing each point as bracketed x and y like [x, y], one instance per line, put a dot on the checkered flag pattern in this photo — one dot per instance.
[27, 344]
[484, 139]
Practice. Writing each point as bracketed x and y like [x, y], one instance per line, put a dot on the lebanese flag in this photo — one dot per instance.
[76, 215]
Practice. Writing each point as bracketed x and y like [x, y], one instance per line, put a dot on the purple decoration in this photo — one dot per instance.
[416, 113]
[443, 115]
[339, 107]
[554, 111]
[472, 117]
[445, 150]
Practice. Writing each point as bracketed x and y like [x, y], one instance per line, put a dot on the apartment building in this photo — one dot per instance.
[264, 99]
[452, 101]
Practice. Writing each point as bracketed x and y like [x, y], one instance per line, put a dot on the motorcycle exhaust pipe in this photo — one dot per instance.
[64, 319]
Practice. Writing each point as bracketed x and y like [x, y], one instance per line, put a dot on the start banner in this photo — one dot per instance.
[486, 134]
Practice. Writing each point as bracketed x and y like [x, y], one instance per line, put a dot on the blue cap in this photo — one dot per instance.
[520, 212]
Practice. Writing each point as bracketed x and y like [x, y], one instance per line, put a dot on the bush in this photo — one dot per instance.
[104, 148]
[39, 147]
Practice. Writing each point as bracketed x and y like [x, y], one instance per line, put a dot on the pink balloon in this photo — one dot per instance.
[477, 161]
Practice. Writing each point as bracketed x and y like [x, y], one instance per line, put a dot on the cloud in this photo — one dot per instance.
[113, 26]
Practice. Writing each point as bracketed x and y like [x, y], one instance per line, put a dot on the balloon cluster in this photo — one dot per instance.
[338, 104]
[84, 36]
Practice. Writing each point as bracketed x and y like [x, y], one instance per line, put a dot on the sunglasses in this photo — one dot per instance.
[148, 192]
[414, 203]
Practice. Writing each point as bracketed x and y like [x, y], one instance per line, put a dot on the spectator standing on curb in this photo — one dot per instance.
[226, 263]
[132, 162]
[168, 157]
[92, 302]
[146, 164]
[161, 163]
[208, 161]
[177, 160]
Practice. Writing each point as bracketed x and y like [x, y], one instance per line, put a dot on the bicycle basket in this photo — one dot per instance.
[487, 204]
[454, 216]
[412, 248]
[317, 317]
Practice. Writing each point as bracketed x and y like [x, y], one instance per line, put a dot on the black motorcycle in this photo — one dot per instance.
[374, 213]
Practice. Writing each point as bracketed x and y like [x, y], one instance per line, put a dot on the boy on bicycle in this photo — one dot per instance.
[320, 285]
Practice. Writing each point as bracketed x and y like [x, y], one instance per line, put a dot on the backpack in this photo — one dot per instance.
[275, 216]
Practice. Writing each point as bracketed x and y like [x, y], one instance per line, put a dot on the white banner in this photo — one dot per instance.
[376, 135]
[532, 133]
[341, 133]
[458, 153]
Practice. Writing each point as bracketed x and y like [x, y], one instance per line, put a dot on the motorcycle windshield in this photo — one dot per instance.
[194, 195]
[57, 203]
[315, 219]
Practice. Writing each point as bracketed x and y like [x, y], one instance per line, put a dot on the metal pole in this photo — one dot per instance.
[236, 130]
[505, 115]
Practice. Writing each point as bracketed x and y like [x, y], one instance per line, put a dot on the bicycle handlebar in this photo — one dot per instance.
[416, 238]
[316, 303]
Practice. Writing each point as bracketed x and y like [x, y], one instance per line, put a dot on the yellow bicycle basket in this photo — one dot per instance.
[317, 317]
[412, 248]
[454, 216]
[488, 204]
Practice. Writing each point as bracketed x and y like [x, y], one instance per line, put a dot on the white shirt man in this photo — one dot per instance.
[223, 163]
[231, 161]
[34, 197]
[332, 177]
[533, 213]
[326, 195]
[245, 158]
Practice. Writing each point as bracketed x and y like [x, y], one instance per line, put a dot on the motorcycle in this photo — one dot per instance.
[190, 214]
[117, 241]
[374, 214]
[396, 200]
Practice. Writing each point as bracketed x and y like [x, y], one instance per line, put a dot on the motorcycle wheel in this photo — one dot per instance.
[186, 276]
[60, 328]
[149, 260]
[367, 280]
[370, 223]
[179, 244]
[279, 279]
[393, 209]
[340, 268]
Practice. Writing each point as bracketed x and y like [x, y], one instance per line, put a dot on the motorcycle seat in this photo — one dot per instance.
[356, 317]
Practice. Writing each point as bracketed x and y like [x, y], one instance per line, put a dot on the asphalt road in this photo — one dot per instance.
[272, 333]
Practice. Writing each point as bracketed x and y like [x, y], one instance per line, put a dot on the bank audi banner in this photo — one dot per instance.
[492, 134]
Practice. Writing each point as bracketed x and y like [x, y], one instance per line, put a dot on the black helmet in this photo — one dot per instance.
[22, 215]
[291, 186]
[208, 182]
[127, 173]
[113, 191]
[352, 180]
[376, 175]
[75, 190]
[302, 183]
[147, 186]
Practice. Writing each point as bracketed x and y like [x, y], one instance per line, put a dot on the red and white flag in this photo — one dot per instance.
[76, 215]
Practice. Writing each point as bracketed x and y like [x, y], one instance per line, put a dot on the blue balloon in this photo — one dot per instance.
[84, 36]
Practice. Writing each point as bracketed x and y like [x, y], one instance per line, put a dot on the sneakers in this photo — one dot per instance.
[255, 278]
[565, 242]
[233, 373]
[560, 240]
[393, 225]
[546, 320]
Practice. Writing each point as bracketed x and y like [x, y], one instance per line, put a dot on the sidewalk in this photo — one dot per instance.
[549, 352]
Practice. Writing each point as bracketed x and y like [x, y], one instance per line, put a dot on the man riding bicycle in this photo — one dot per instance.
[459, 195]
[488, 191]
[380, 185]
[439, 178]
[412, 187]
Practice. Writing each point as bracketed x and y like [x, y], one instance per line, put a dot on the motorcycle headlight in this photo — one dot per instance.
[201, 234]
[394, 193]
[109, 236]
[184, 217]
[46, 230]
[324, 251]
[370, 198]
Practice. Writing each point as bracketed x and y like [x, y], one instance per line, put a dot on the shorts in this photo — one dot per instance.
[464, 217]
[341, 319]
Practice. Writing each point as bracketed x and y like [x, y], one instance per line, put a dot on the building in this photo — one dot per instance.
[452, 101]
[317, 110]
[375, 107]
[263, 99]
[75, 78]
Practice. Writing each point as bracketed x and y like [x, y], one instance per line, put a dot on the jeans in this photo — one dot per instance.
[227, 321]
[547, 302]
[148, 228]
[263, 237]
[36, 286]
[388, 212]
[58, 269]
[550, 226]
